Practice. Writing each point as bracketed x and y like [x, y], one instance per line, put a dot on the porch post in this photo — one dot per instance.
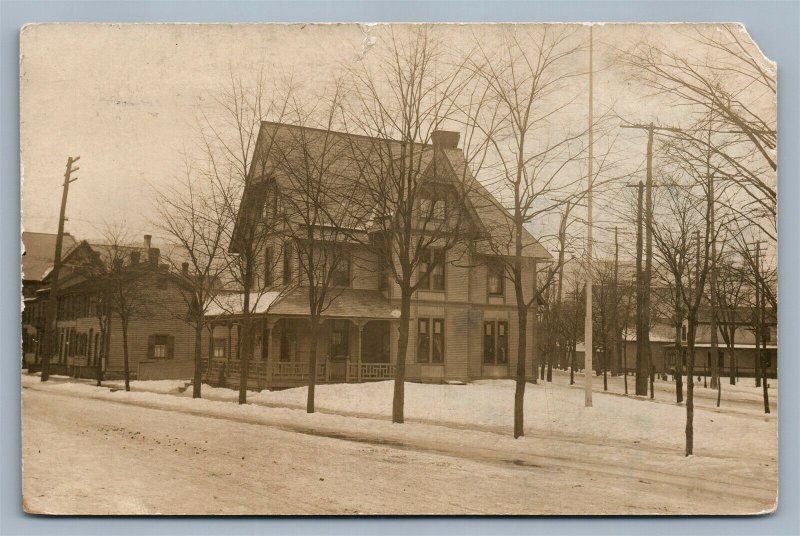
[360, 333]
[268, 342]
[230, 342]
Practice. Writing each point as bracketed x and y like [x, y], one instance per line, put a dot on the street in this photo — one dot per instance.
[84, 455]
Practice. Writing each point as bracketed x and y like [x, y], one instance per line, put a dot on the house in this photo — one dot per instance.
[37, 261]
[463, 318]
[89, 331]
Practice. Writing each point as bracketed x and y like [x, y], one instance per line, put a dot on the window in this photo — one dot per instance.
[432, 208]
[423, 340]
[220, 345]
[341, 272]
[268, 260]
[683, 333]
[437, 350]
[287, 263]
[430, 340]
[160, 346]
[288, 341]
[497, 277]
[431, 269]
[488, 342]
[495, 343]
[340, 338]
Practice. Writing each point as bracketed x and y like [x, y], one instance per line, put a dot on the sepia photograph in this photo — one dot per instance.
[398, 269]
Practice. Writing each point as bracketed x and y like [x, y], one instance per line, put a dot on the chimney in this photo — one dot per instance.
[147, 239]
[445, 139]
[135, 257]
[185, 269]
[152, 257]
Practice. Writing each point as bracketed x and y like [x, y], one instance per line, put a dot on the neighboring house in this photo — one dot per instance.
[37, 261]
[463, 319]
[89, 331]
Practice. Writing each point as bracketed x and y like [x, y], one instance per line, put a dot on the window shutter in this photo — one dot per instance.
[151, 346]
[170, 347]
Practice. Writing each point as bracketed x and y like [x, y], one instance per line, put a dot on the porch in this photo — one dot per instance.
[278, 375]
[353, 342]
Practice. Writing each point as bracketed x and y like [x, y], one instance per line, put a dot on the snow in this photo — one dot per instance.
[619, 445]
[233, 303]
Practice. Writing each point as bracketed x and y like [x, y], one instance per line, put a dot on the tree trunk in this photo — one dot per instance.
[245, 351]
[522, 349]
[198, 357]
[312, 363]
[104, 344]
[244, 343]
[125, 366]
[690, 390]
[398, 401]
[572, 365]
[678, 362]
[733, 360]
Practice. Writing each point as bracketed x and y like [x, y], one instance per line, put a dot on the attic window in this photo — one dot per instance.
[433, 208]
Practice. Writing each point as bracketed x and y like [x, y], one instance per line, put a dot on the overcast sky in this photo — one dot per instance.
[126, 98]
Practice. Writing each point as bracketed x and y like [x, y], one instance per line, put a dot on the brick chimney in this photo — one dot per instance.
[147, 239]
[445, 139]
[185, 269]
[152, 257]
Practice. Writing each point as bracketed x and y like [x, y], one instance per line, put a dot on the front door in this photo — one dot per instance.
[375, 342]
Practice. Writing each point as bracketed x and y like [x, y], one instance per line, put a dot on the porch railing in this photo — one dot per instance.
[295, 372]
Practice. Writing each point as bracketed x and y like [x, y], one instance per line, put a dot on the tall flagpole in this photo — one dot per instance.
[588, 368]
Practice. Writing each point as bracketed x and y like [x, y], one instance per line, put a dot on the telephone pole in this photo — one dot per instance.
[643, 314]
[615, 363]
[52, 300]
[588, 368]
[641, 368]
[761, 325]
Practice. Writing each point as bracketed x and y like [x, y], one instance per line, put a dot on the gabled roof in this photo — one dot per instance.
[40, 248]
[348, 162]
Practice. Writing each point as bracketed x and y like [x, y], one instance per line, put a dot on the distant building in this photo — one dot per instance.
[160, 341]
[37, 261]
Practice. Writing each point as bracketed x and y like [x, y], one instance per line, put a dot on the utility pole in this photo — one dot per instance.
[643, 332]
[761, 325]
[648, 263]
[52, 300]
[641, 367]
[615, 324]
[562, 240]
[588, 368]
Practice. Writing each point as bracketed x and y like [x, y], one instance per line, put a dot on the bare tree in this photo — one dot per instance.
[193, 215]
[312, 169]
[731, 294]
[229, 133]
[738, 87]
[400, 97]
[530, 80]
[125, 281]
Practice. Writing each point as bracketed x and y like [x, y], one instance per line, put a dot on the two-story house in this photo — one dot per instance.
[89, 321]
[463, 314]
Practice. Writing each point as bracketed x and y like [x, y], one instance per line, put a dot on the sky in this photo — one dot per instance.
[127, 99]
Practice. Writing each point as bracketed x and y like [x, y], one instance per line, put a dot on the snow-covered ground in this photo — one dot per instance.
[155, 449]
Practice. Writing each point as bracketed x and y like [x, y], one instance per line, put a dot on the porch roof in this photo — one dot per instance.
[342, 303]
